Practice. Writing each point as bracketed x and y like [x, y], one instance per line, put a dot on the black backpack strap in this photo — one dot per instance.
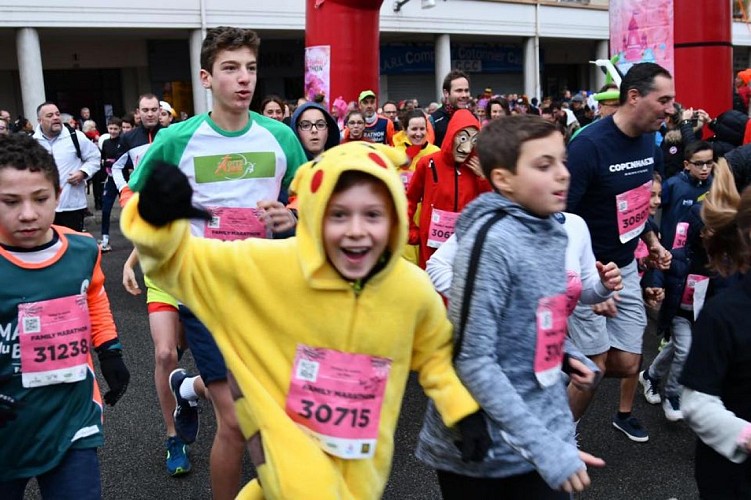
[74, 138]
[469, 286]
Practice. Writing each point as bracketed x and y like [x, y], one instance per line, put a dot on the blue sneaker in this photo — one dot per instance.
[178, 463]
[186, 411]
[632, 428]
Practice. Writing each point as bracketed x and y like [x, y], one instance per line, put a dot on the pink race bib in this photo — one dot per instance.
[336, 398]
[442, 223]
[692, 283]
[235, 224]
[406, 176]
[55, 337]
[632, 211]
[681, 233]
[551, 332]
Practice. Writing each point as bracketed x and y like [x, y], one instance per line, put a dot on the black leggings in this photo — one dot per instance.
[522, 487]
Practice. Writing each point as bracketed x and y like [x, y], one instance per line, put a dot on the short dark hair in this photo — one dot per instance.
[45, 103]
[454, 74]
[641, 77]
[23, 152]
[503, 103]
[128, 118]
[500, 141]
[147, 95]
[115, 120]
[390, 102]
[272, 98]
[226, 38]
[696, 147]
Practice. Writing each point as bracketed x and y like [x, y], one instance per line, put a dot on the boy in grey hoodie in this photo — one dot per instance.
[510, 349]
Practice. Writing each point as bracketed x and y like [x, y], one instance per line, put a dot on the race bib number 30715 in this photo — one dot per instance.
[336, 398]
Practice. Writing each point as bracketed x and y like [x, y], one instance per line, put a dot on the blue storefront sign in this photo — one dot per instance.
[417, 58]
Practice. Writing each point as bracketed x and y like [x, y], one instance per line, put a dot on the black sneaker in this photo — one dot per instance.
[632, 428]
[186, 411]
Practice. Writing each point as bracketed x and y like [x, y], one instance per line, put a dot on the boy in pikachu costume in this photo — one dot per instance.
[318, 387]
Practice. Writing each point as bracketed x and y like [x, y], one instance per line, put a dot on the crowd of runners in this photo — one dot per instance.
[508, 250]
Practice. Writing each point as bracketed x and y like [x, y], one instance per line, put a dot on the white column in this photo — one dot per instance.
[532, 67]
[601, 52]
[29, 56]
[200, 98]
[442, 62]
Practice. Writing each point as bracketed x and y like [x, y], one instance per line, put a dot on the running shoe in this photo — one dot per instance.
[186, 411]
[105, 247]
[671, 405]
[632, 428]
[178, 463]
[651, 388]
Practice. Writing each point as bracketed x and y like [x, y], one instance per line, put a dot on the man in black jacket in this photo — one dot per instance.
[455, 96]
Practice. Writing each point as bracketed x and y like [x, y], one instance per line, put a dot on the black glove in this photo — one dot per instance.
[8, 409]
[166, 197]
[115, 373]
[475, 437]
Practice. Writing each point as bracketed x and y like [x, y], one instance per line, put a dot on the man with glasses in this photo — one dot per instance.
[377, 128]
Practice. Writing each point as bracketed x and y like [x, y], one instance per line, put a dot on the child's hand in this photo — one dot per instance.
[579, 480]
[276, 216]
[115, 373]
[607, 308]
[129, 280]
[610, 275]
[582, 377]
[659, 257]
[653, 296]
[167, 196]
[476, 440]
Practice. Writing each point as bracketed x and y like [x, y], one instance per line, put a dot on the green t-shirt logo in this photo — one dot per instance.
[230, 167]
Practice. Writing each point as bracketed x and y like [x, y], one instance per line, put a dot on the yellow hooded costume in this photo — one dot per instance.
[262, 299]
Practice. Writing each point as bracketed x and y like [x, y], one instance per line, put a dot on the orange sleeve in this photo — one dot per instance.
[390, 132]
[415, 191]
[125, 195]
[102, 324]
[747, 133]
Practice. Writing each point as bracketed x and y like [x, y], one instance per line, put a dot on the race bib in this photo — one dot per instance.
[55, 337]
[406, 176]
[551, 332]
[235, 224]
[632, 211]
[681, 233]
[573, 291]
[687, 299]
[700, 295]
[442, 223]
[336, 398]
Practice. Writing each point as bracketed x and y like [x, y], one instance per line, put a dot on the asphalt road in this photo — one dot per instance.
[132, 460]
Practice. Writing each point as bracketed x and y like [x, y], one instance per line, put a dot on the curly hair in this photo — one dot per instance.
[226, 38]
[23, 152]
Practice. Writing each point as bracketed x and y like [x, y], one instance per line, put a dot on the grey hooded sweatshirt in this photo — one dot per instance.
[523, 261]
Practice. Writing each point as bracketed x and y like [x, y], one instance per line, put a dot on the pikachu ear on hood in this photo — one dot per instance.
[314, 185]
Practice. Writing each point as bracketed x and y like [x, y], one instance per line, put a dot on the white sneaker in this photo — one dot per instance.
[651, 388]
[671, 405]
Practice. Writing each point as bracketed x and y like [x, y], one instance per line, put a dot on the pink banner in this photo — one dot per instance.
[642, 31]
[318, 73]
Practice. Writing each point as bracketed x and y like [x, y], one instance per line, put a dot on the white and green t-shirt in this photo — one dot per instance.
[226, 169]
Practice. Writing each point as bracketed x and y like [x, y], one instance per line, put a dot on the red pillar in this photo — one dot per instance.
[351, 29]
[703, 54]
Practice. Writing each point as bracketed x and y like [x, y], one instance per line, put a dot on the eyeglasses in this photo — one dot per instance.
[702, 164]
[307, 125]
[352, 122]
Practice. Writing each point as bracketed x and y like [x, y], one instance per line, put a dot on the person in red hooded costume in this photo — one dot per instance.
[445, 182]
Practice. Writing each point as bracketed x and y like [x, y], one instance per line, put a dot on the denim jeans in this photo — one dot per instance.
[672, 357]
[75, 478]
